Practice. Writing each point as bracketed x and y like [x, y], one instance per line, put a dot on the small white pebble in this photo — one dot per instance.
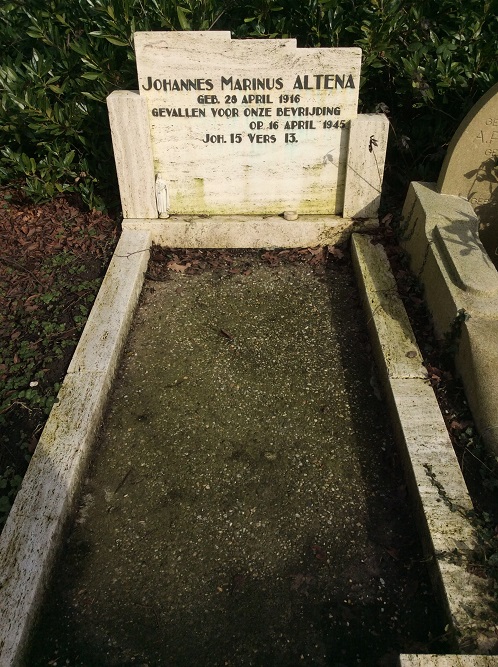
[290, 215]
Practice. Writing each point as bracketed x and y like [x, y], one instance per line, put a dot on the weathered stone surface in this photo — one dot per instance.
[448, 661]
[248, 126]
[132, 154]
[31, 537]
[250, 231]
[365, 165]
[222, 127]
[447, 255]
[431, 467]
[470, 167]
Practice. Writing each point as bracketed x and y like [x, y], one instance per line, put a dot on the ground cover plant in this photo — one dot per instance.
[52, 261]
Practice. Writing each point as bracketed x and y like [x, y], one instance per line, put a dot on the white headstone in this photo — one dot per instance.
[247, 126]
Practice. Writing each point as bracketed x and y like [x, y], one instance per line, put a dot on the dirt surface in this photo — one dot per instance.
[246, 505]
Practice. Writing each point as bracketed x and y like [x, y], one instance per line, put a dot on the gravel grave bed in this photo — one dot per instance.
[246, 504]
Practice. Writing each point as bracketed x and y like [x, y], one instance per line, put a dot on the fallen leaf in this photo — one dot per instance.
[301, 582]
[335, 252]
[411, 588]
[394, 553]
[179, 268]
[238, 582]
[271, 258]
[319, 553]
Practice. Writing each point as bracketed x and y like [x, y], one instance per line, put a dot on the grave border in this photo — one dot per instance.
[440, 234]
[34, 531]
[443, 507]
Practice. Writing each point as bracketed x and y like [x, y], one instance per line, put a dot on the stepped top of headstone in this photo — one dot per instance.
[470, 169]
[247, 126]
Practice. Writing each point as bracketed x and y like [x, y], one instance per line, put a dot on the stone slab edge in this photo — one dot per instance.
[365, 165]
[421, 660]
[133, 154]
[437, 488]
[34, 529]
[441, 237]
[245, 231]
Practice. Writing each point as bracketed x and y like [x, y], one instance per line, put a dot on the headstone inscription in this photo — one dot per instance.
[470, 169]
[245, 127]
[248, 126]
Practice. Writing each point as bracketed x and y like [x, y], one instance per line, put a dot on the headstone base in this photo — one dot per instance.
[250, 231]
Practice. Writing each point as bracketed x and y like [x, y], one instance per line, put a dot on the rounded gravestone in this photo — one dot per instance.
[470, 168]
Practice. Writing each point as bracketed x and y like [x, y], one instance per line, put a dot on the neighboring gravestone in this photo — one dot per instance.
[470, 168]
[253, 127]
